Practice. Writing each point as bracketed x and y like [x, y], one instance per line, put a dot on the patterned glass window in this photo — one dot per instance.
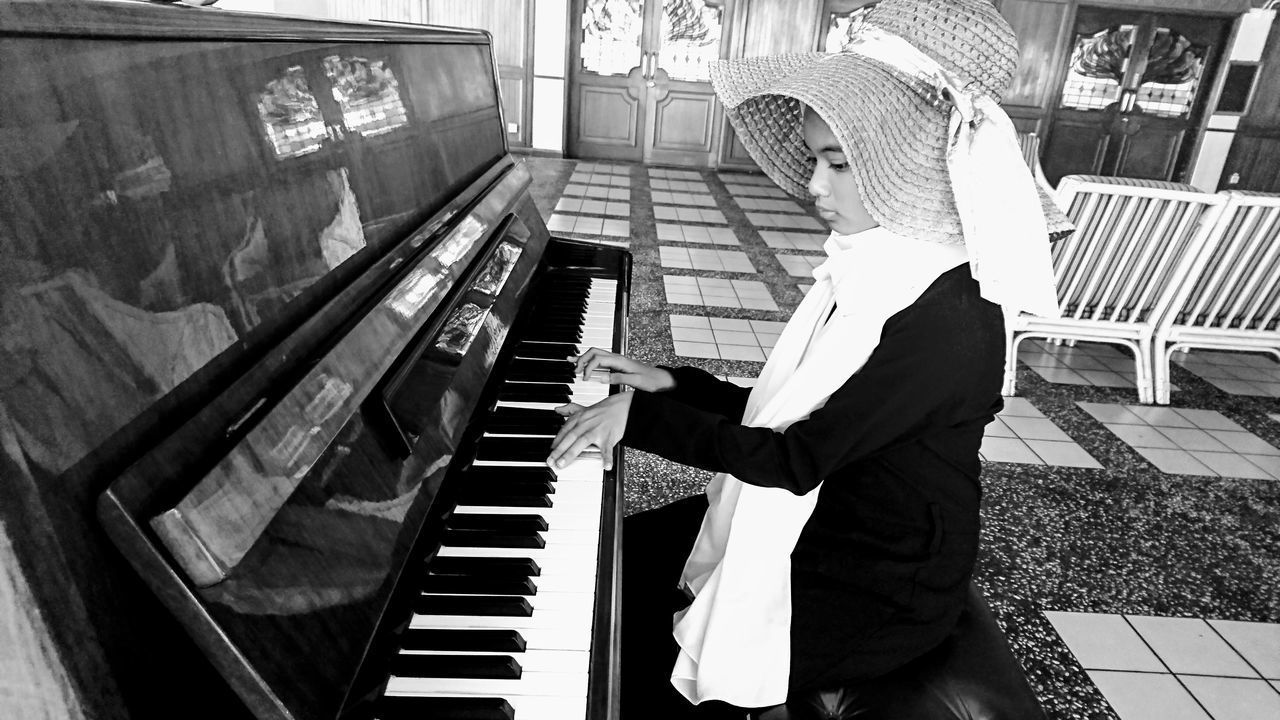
[368, 94]
[1098, 64]
[290, 115]
[842, 28]
[1174, 68]
[611, 36]
[690, 37]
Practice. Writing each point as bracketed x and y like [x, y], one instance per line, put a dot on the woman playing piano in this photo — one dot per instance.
[837, 540]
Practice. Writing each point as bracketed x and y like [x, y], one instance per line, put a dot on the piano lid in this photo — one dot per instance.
[191, 196]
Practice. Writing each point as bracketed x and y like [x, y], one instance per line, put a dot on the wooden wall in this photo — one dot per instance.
[768, 27]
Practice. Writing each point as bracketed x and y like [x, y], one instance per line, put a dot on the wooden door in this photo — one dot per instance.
[1133, 93]
[639, 87]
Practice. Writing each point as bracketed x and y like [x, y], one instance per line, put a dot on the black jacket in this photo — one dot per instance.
[884, 560]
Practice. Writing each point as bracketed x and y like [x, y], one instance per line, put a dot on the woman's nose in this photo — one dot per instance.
[818, 185]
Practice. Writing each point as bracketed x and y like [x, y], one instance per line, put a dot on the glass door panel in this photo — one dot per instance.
[612, 31]
[690, 38]
[1099, 61]
[1174, 67]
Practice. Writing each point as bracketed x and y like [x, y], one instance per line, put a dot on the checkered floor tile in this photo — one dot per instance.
[594, 207]
[670, 198]
[696, 234]
[768, 205]
[669, 174]
[592, 178]
[1087, 363]
[600, 192]
[688, 214]
[1184, 441]
[724, 338]
[603, 167]
[681, 186]
[786, 222]
[769, 191]
[804, 287]
[699, 259]
[746, 179]
[688, 290]
[1022, 434]
[1234, 373]
[584, 225]
[1156, 668]
[800, 265]
[783, 240]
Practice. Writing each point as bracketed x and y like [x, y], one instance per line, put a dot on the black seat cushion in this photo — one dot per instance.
[972, 675]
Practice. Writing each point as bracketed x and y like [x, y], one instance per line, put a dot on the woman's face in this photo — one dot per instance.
[832, 185]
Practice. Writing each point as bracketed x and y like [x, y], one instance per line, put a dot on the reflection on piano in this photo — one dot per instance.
[283, 335]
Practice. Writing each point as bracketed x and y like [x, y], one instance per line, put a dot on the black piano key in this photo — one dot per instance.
[520, 501]
[535, 392]
[499, 473]
[505, 641]
[506, 523]
[492, 539]
[475, 605]
[514, 419]
[484, 566]
[535, 449]
[407, 707]
[515, 487]
[527, 370]
[493, 667]
[547, 350]
[471, 585]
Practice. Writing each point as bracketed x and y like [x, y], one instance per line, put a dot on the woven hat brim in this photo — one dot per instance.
[895, 138]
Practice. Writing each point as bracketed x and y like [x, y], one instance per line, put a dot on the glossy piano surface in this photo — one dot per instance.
[256, 273]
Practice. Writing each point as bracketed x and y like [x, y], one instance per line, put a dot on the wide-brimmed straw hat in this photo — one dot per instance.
[892, 124]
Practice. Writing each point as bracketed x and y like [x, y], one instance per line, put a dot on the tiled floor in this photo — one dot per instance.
[1087, 363]
[1186, 441]
[688, 214]
[670, 232]
[1093, 505]
[1234, 373]
[686, 290]
[800, 265]
[784, 221]
[1164, 668]
[769, 205]
[784, 240]
[700, 259]
[1022, 434]
[739, 190]
[724, 338]
[669, 198]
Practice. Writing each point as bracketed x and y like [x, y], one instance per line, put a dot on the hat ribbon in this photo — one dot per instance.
[1000, 212]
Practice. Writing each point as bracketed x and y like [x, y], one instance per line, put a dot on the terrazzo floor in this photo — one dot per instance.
[1131, 553]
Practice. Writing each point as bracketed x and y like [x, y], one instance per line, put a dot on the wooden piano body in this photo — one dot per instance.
[261, 280]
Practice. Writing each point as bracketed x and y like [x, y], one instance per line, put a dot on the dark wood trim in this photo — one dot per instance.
[176, 21]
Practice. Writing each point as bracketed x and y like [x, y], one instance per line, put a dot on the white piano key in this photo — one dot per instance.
[545, 684]
[555, 517]
[556, 538]
[526, 707]
[540, 620]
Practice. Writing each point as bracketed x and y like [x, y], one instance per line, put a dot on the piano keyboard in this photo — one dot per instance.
[502, 628]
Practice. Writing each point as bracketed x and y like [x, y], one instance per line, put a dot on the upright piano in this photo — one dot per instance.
[282, 331]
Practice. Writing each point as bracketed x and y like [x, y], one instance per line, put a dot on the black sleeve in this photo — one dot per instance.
[935, 363]
[700, 389]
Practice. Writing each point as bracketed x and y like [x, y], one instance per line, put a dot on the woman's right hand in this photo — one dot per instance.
[623, 371]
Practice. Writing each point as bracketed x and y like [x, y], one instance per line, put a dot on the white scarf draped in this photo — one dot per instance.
[735, 638]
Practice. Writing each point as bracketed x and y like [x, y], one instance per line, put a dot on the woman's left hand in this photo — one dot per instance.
[601, 425]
